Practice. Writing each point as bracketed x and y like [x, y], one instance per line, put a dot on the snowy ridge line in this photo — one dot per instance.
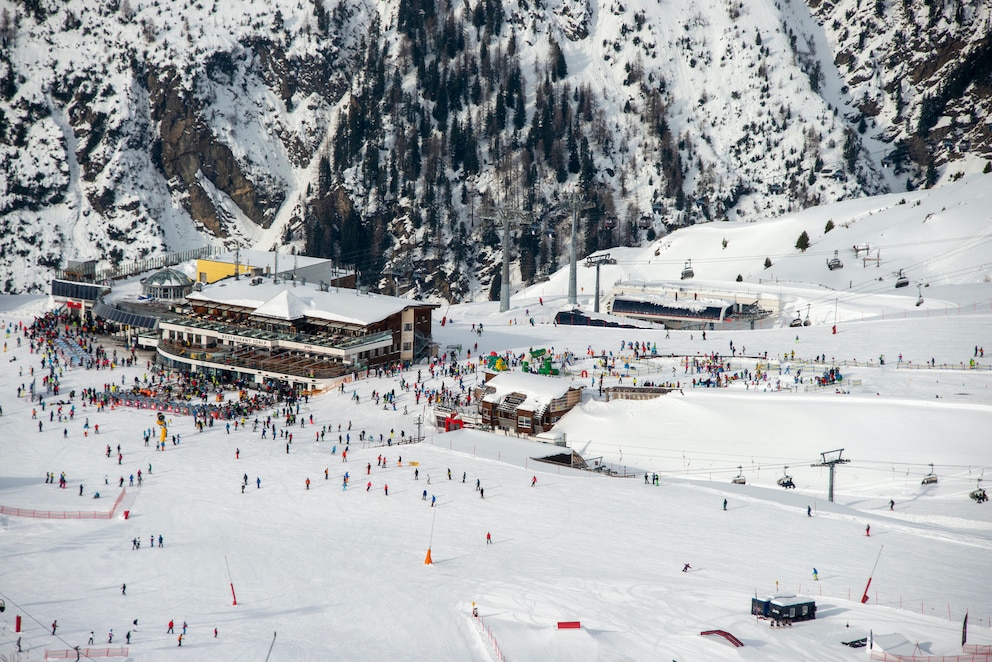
[65, 514]
[496, 651]
[73, 654]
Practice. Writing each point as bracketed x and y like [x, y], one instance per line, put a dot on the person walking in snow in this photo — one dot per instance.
[385, 488]
[809, 511]
[433, 500]
[258, 483]
[724, 504]
[482, 493]
[533, 481]
[424, 497]
[892, 504]
[171, 625]
[123, 589]
[868, 530]
[308, 483]
[816, 576]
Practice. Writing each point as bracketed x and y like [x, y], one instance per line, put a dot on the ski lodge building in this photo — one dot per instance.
[525, 403]
[310, 335]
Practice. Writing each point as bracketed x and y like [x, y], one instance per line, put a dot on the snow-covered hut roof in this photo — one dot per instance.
[540, 390]
[283, 300]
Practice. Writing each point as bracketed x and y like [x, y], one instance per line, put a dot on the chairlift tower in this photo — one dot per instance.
[597, 261]
[831, 459]
[507, 217]
[576, 205]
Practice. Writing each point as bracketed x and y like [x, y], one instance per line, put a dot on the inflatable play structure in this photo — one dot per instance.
[496, 362]
[542, 359]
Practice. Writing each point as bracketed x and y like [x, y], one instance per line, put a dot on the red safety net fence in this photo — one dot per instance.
[73, 654]
[491, 640]
[65, 514]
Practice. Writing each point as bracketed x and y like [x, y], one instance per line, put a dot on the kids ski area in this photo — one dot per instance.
[255, 564]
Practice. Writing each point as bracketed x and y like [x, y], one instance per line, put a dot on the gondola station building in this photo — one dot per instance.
[311, 336]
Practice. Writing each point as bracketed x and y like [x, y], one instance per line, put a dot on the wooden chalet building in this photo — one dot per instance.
[525, 403]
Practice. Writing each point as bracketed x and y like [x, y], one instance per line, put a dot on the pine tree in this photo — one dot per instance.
[803, 242]
[768, 263]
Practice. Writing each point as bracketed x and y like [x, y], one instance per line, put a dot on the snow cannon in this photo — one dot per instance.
[164, 429]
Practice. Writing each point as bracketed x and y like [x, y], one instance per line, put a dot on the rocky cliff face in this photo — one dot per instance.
[378, 134]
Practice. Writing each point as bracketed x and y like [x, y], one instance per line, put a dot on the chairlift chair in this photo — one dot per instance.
[930, 478]
[786, 480]
[834, 262]
[919, 292]
[687, 271]
[739, 479]
[902, 280]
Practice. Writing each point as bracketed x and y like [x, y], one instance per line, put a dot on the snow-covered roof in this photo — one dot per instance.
[539, 389]
[285, 301]
[264, 259]
[698, 304]
[285, 306]
[789, 599]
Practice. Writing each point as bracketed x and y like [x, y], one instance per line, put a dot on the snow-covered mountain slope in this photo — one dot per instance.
[379, 134]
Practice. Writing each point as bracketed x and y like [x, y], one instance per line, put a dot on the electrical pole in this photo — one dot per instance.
[576, 205]
[507, 217]
[596, 261]
[831, 463]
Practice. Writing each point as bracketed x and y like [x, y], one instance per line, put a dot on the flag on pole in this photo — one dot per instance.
[964, 630]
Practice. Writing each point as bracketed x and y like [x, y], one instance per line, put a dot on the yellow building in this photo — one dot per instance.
[264, 263]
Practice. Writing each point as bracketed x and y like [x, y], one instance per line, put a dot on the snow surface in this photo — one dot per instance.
[341, 575]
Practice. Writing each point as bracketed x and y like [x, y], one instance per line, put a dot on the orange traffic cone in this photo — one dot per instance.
[428, 560]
